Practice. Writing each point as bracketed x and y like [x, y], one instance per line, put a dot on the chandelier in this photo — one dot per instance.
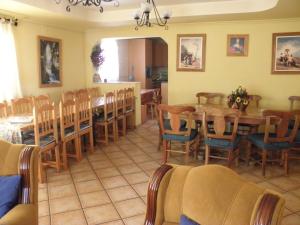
[96, 3]
[142, 16]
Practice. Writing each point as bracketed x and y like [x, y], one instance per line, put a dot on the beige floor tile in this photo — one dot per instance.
[287, 212]
[156, 155]
[62, 191]
[297, 192]
[88, 186]
[270, 186]
[131, 207]
[292, 202]
[121, 193]
[60, 205]
[130, 168]
[251, 177]
[51, 179]
[135, 178]
[97, 157]
[136, 220]
[285, 183]
[136, 139]
[150, 172]
[65, 181]
[101, 214]
[113, 182]
[116, 222]
[122, 161]
[141, 158]
[101, 164]
[107, 172]
[149, 165]
[144, 199]
[43, 208]
[111, 148]
[43, 194]
[293, 219]
[115, 155]
[84, 176]
[45, 220]
[81, 168]
[141, 188]
[93, 199]
[69, 218]
[146, 145]
[134, 152]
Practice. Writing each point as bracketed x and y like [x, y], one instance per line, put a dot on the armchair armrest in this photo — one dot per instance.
[22, 214]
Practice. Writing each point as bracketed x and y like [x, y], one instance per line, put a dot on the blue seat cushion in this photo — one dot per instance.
[100, 117]
[223, 143]
[9, 193]
[258, 141]
[181, 138]
[69, 131]
[167, 124]
[84, 125]
[297, 139]
[46, 140]
[184, 220]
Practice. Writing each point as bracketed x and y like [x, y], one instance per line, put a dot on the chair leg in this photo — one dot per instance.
[160, 140]
[152, 112]
[237, 157]
[187, 152]
[116, 130]
[57, 158]
[286, 162]
[91, 141]
[264, 162]
[106, 133]
[248, 152]
[165, 152]
[207, 152]
[64, 155]
[124, 126]
[230, 158]
[41, 171]
[78, 149]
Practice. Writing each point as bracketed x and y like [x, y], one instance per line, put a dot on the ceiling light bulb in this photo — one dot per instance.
[167, 14]
[137, 15]
[146, 7]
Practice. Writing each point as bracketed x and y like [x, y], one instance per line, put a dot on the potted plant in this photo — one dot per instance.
[238, 99]
[97, 59]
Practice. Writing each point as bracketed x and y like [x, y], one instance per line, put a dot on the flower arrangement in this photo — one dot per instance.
[238, 99]
[97, 56]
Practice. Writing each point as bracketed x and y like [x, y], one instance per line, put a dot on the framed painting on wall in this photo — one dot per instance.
[286, 53]
[50, 65]
[191, 52]
[237, 44]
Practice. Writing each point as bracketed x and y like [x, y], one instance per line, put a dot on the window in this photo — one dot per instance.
[9, 74]
[110, 67]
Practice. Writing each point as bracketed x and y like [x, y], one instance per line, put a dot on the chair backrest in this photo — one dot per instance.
[84, 111]
[293, 100]
[109, 105]
[175, 114]
[94, 92]
[129, 99]
[157, 96]
[68, 95]
[255, 99]
[81, 93]
[41, 100]
[21, 106]
[279, 121]
[120, 102]
[3, 109]
[45, 122]
[220, 119]
[68, 117]
[209, 98]
[214, 194]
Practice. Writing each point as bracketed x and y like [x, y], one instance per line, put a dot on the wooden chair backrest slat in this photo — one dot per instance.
[3, 109]
[68, 95]
[157, 96]
[94, 92]
[84, 110]
[81, 93]
[120, 102]
[210, 98]
[67, 112]
[21, 106]
[109, 104]
[41, 100]
[280, 120]
[293, 100]
[129, 98]
[255, 99]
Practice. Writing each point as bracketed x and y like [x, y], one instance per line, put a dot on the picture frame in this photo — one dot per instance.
[286, 53]
[50, 62]
[191, 52]
[237, 44]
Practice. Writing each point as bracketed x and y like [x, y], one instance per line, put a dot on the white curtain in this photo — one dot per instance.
[9, 73]
[110, 68]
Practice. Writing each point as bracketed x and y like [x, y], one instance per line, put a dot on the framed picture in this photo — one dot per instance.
[286, 53]
[237, 44]
[50, 66]
[191, 52]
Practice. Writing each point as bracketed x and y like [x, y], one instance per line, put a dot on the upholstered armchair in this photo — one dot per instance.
[22, 160]
[209, 195]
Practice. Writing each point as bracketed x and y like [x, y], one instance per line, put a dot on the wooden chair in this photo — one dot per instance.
[281, 140]
[84, 117]
[68, 130]
[209, 98]
[218, 137]
[120, 113]
[93, 92]
[255, 99]
[156, 100]
[292, 100]
[130, 108]
[68, 95]
[105, 119]
[46, 136]
[188, 136]
[3, 109]
[81, 93]
[21, 106]
[41, 100]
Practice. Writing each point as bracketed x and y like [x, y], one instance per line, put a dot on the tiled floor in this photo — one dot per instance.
[109, 187]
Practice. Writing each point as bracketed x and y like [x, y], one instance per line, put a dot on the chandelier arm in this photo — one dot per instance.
[159, 20]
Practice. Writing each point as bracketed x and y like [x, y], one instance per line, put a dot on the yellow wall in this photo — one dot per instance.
[223, 73]
[73, 66]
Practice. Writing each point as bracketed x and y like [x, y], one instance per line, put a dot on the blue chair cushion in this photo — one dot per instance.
[46, 140]
[100, 117]
[297, 139]
[9, 193]
[69, 131]
[187, 221]
[167, 124]
[84, 125]
[258, 141]
[223, 143]
[181, 138]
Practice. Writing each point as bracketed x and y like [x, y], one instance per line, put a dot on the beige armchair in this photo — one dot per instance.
[21, 159]
[209, 195]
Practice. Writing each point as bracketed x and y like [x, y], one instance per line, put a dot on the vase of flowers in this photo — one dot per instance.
[97, 59]
[238, 99]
